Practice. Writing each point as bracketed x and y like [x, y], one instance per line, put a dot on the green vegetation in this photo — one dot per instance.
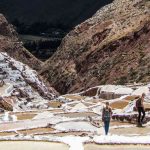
[123, 80]
[41, 47]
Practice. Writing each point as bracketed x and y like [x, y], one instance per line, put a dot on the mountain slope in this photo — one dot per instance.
[111, 47]
[9, 43]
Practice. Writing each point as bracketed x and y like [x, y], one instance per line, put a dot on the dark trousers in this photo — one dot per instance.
[106, 126]
[141, 111]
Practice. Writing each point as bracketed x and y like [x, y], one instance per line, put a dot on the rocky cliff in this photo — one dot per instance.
[21, 87]
[111, 47]
[9, 43]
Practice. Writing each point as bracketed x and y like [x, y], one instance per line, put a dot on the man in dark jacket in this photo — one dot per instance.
[141, 110]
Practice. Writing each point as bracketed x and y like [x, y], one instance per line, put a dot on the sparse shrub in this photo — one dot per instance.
[122, 80]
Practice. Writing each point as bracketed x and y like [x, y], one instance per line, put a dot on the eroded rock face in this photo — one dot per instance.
[7, 103]
[9, 43]
[111, 47]
[21, 87]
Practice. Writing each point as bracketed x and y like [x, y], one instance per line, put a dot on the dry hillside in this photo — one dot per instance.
[111, 47]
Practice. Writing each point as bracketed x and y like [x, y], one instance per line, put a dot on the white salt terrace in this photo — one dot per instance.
[71, 120]
[5, 89]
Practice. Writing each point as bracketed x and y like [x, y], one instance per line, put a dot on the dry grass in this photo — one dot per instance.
[36, 131]
[119, 104]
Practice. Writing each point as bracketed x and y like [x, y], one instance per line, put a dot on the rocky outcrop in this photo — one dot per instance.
[22, 87]
[108, 92]
[111, 47]
[9, 43]
[6, 104]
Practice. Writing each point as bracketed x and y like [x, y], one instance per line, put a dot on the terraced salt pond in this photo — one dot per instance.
[63, 134]
[78, 114]
[115, 147]
[36, 131]
[131, 131]
[11, 133]
[25, 116]
[31, 145]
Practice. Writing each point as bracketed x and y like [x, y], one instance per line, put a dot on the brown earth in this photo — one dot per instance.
[10, 43]
[111, 47]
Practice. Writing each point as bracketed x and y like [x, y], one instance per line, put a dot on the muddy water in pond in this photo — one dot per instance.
[115, 147]
[31, 145]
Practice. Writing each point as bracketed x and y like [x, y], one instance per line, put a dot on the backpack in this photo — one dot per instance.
[107, 114]
[138, 103]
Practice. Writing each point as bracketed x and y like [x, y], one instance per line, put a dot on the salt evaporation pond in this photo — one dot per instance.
[115, 147]
[31, 145]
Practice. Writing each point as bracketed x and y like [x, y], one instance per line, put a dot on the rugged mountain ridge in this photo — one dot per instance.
[111, 47]
[10, 43]
[21, 88]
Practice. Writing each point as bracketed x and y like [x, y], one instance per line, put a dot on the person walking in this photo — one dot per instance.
[106, 117]
[140, 109]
